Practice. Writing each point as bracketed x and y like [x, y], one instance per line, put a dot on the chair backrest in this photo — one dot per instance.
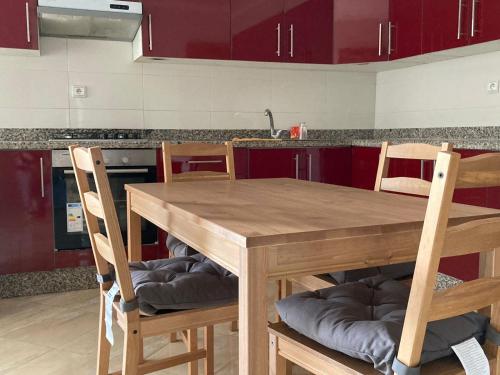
[438, 240]
[197, 149]
[99, 205]
[415, 151]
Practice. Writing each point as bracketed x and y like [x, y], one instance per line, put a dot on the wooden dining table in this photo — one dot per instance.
[271, 229]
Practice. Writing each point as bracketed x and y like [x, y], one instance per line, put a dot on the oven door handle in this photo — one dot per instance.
[116, 171]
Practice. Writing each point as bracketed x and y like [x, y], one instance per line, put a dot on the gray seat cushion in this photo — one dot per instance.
[179, 248]
[393, 271]
[182, 283]
[365, 319]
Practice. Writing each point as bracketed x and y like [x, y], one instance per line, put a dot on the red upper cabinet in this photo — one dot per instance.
[308, 31]
[257, 28]
[19, 24]
[405, 28]
[198, 29]
[361, 31]
[484, 21]
[445, 24]
[26, 225]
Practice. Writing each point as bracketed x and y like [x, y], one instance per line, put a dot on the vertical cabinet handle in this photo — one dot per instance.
[309, 157]
[459, 33]
[380, 26]
[42, 185]
[296, 166]
[278, 32]
[421, 169]
[150, 32]
[389, 38]
[473, 21]
[291, 39]
[28, 32]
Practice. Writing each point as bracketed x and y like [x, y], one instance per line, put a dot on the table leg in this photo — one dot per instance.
[133, 233]
[253, 337]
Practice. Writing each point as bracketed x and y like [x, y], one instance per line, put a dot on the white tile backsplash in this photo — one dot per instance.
[446, 93]
[36, 92]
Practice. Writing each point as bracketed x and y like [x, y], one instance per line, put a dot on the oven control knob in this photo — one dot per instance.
[125, 160]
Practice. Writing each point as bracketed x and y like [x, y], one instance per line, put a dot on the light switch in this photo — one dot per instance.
[78, 91]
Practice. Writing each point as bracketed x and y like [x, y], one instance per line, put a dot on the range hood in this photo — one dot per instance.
[91, 19]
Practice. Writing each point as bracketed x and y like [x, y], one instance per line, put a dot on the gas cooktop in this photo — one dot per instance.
[97, 136]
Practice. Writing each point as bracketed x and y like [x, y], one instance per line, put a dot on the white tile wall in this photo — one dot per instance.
[35, 92]
[448, 93]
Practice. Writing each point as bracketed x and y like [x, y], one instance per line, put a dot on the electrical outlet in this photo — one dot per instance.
[78, 91]
[492, 87]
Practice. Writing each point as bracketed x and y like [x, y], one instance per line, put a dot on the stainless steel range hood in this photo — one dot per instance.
[92, 19]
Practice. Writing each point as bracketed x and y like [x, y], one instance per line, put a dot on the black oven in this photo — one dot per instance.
[124, 166]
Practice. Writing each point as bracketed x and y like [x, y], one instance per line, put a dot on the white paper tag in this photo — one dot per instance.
[472, 357]
[108, 318]
[74, 217]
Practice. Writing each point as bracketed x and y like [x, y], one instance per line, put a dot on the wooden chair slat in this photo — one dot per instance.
[198, 149]
[93, 204]
[408, 185]
[417, 151]
[472, 237]
[104, 248]
[479, 171]
[200, 176]
[82, 159]
[464, 298]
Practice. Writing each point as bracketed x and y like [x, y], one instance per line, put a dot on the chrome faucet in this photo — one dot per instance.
[274, 133]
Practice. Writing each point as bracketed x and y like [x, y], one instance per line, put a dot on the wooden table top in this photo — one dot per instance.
[276, 211]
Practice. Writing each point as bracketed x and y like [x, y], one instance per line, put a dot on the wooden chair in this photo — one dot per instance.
[197, 149]
[425, 305]
[170, 151]
[109, 250]
[403, 185]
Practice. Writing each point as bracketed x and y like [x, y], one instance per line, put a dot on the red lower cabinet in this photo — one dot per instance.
[330, 165]
[364, 167]
[276, 163]
[26, 222]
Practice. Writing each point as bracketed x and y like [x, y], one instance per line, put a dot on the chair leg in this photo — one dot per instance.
[103, 345]
[277, 364]
[234, 326]
[209, 347]
[192, 346]
[131, 351]
[284, 290]
[173, 337]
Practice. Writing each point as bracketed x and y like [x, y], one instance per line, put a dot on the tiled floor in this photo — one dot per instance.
[56, 334]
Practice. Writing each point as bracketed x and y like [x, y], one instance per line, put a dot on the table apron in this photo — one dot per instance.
[339, 254]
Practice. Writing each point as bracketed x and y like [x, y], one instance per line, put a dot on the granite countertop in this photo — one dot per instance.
[492, 144]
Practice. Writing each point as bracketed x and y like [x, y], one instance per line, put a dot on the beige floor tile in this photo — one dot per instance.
[15, 353]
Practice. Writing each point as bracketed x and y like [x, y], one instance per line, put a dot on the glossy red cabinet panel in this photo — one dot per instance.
[364, 166]
[26, 223]
[360, 31]
[330, 165]
[445, 24]
[257, 30]
[276, 163]
[406, 28]
[197, 29]
[308, 31]
[19, 24]
[485, 16]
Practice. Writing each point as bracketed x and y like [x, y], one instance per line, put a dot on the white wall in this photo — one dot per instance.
[35, 92]
[448, 93]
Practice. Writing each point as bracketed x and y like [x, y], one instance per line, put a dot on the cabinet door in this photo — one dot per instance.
[360, 30]
[257, 30]
[276, 163]
[197, 29]
[485, 23]
[445, 24]
[309, 31]
[19, 24]
[406, 28]
[330, 165]
[364, 166]
[26, 222]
